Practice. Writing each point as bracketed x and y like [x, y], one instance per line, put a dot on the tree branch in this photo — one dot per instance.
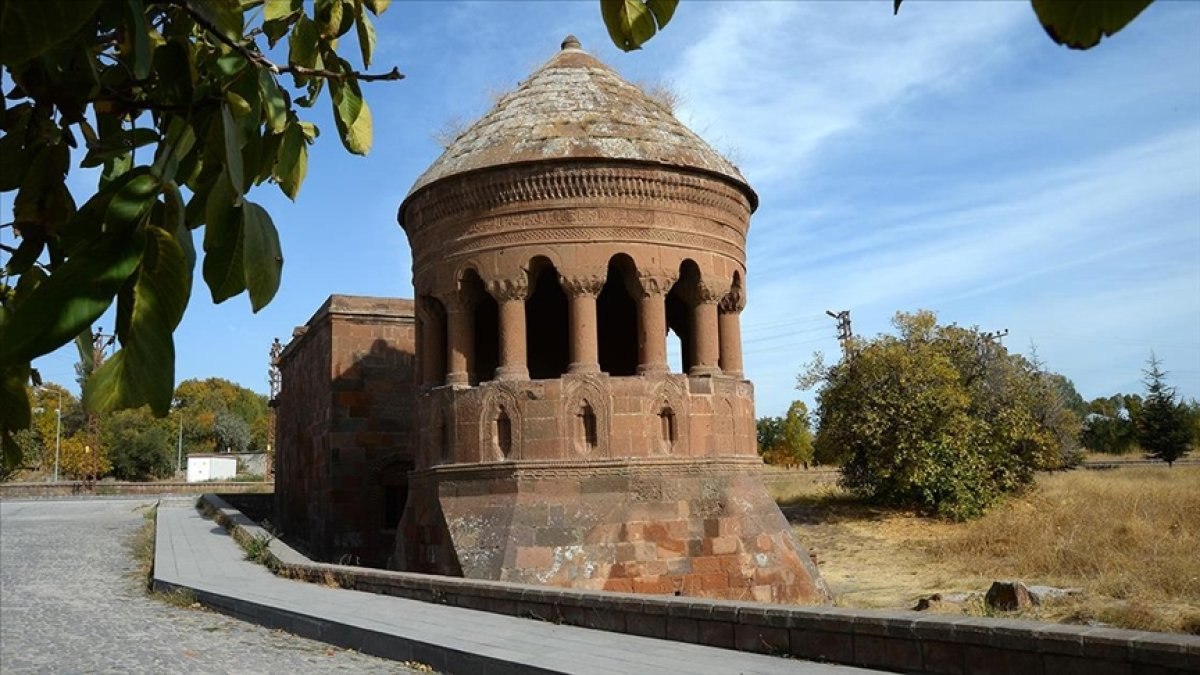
[258, 58]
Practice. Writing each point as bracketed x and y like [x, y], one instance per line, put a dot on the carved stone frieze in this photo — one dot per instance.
[511, 288]
[586, 283]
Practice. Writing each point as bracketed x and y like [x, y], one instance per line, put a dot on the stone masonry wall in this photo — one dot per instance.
[344, 434]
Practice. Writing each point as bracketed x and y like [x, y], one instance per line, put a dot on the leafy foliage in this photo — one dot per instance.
[179, 105]
[786, 440]
[631, 23]
[219, 416]
[939, 418]
[1164, 425]
[140, 446]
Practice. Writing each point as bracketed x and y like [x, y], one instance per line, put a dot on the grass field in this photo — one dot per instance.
[1129, 538]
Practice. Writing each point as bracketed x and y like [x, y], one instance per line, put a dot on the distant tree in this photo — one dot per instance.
[770, 439]
[797, 437]
[1164, 427]
[232, 432]
[203, 402]
[939, 418]
[140, 446]
[1108, 426]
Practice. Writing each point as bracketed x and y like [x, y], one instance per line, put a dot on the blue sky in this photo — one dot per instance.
[950, 158]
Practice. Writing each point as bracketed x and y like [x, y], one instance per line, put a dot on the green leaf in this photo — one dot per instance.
[27, 29]
[662, 10]
[131, 203]
[138, 33]
[292, 164]
[173, 68]
[352, 116]
[262, 257]
[366, 35]
[631, 23]
[223, 244]
[302, 46]
[24, 257]
[174, 221]
[178, 143]
[274, 104]
[277, 10]
[377, 7]
[225, 15]
[233, 149]
[74, 296]
[143, 371]
[117, 144]
[1081, 24]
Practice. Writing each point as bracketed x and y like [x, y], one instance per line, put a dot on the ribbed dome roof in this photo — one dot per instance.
[575, 107]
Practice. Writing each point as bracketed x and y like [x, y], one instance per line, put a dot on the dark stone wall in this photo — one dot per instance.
[344, 430]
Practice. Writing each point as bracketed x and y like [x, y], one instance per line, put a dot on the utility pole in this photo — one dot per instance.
[57, 430]
[179, 446]
[274, 382]
[844, 331]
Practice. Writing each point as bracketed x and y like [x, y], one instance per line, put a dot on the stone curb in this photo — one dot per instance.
[893, 640]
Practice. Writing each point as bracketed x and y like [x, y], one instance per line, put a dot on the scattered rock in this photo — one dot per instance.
[1008, 596]
[945, 601]
[1043, 594]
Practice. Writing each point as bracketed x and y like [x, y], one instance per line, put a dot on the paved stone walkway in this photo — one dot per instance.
[70, 602]
[195, 552]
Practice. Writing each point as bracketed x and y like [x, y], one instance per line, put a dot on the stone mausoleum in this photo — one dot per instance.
[540, 435]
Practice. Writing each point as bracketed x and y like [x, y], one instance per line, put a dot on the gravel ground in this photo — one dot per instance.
[70, 601]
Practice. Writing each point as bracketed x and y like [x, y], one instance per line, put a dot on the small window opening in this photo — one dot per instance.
[504, 433]
[443, 441]
[666, 420]
[586, 424]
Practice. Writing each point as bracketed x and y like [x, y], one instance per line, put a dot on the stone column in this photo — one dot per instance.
[582, 291]
[460, 333]
[511, 294]
[729, 329]
[705, 340]
[652, 325]
[433, 366]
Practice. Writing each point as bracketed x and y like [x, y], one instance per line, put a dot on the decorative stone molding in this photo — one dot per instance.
[578, 391]
[589, 284]
[653, 286]
[733, 302]
[513, 288]
[708, 292]
[496, 400]
[482, 193]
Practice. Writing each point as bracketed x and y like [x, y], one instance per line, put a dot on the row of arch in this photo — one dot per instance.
[546, 325]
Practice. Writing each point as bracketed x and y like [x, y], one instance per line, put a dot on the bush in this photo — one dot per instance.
[940, 418]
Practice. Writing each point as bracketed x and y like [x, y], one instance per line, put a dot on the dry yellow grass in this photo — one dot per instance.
[1130, 538]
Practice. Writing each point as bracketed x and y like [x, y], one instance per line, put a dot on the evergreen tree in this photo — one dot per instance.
[1163, 424]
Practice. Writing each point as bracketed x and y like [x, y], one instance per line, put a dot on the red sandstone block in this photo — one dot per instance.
[693, 584]
[761, 593]
[653, 584]
[724, 545]
[732, 563]
[654, 567]
[677, 529]
[669, 548]
[351, 398]
[740, 579]
[634, 531]
[764, 543]
[534, 557]
[714, 582]
[619, 585]
[706, 565]
[603, 533]
[656, 532]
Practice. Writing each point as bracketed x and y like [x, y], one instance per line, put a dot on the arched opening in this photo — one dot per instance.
[394, 481]
[679, 315]
[434, 345]
[487, 328]
[586, 438]
[547, 338]
[667, 431]
[616, 314]
[502, 434]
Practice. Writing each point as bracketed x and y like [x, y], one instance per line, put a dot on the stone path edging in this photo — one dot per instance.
[892, 640]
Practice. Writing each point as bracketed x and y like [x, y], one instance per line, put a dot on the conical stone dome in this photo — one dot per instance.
[572, 108]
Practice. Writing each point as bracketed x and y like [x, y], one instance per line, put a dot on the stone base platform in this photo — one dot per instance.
[704, 528]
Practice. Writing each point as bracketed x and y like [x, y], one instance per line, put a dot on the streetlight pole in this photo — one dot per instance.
[57, 435]
[179, 457]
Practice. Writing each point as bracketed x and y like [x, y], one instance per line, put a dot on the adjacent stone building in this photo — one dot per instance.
[557, 244]
[344, 430]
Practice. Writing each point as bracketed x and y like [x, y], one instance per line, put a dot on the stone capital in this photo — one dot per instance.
[709, 293]
[587, 284]
[733, 302]
[656, 285]
[504, 290]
